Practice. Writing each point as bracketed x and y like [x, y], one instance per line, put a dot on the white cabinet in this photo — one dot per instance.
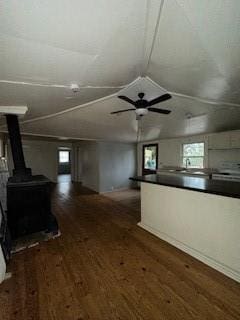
[219, 141]
[235, 139]
[224, 140]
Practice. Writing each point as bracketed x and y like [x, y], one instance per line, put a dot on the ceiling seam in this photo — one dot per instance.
[199, 37]
[213, 102]
[207, 101]
[57, 137]
[69, 110]
[155, 35]
[145, 38]
[43, 43]
[60, 85]
[76, 107]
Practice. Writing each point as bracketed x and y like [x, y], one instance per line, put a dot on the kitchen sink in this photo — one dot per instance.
[183, 171]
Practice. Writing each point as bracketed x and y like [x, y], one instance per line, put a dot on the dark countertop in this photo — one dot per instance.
[200, 184]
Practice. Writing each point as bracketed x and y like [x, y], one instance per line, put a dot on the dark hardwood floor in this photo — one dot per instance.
[105, 267]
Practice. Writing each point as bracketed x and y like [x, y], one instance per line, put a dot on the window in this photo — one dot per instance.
[150, 158]
[64, 156]
[193, 155]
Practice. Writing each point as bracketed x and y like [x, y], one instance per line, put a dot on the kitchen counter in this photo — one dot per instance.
[197, 215]
[200, 184]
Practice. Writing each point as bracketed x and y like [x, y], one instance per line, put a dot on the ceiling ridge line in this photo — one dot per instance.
[144, 49]
[73, 108]
[43, 43]
[213, 102]
[155, 35]
[53, 136]
[84, 105]
[59, 85]
[199, 38]
[209, 101]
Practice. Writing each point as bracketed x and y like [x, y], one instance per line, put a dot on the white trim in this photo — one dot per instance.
[17, 110]
[208, 101]
[213, 102]
[154, 35]
[115, 94]
[84, 105]
[48, 85]
[192, 252]
[69, 110]
[61, 139]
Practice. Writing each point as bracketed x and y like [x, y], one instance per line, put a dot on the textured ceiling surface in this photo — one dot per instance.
[189, 48]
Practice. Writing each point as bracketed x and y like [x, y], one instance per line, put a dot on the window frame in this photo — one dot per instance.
[203, 157]
[144, 170]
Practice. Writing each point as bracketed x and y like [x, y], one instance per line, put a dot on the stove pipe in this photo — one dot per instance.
[20, 172]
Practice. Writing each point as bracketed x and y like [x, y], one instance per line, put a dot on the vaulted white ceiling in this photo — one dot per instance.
[190, 48]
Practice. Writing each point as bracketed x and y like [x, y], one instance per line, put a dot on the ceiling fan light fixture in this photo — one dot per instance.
[74, 87]
[141, 111]
[188, 115]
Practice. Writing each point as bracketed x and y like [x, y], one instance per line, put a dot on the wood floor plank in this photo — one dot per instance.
[104, 267]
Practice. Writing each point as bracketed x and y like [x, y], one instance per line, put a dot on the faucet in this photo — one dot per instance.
[188, 163]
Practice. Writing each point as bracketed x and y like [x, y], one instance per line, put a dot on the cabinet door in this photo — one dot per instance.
[235, 139]
[219, 141]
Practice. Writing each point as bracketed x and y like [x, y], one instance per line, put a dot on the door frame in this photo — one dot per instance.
[69, 150]
[149, 171]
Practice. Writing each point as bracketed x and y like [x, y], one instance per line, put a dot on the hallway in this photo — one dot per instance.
[64, 178]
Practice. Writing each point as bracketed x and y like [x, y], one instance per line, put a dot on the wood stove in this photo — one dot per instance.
[28, 196]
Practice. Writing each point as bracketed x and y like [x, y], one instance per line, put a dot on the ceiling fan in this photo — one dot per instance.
[142, 106]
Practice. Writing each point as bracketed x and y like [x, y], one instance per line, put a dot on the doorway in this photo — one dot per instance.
[150, 159]
[64, 165]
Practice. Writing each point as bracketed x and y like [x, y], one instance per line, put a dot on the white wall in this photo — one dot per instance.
[170, 152]
[40, 156]
[86, 166]
[100, 166]
[117, 162]
[104, 166]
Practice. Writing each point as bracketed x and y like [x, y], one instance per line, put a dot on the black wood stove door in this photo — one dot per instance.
[29, 208]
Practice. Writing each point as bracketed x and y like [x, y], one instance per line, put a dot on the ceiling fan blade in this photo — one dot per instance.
[163, 111]
[119, 111]
[162, 98]
[127, 99]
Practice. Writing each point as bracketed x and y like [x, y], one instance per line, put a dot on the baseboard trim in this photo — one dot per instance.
[194, 253]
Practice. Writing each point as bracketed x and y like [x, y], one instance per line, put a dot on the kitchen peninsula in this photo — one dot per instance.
[197, 215]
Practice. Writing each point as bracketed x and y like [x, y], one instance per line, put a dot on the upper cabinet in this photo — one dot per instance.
[224, 140]
[219, 141]
[235, 139]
